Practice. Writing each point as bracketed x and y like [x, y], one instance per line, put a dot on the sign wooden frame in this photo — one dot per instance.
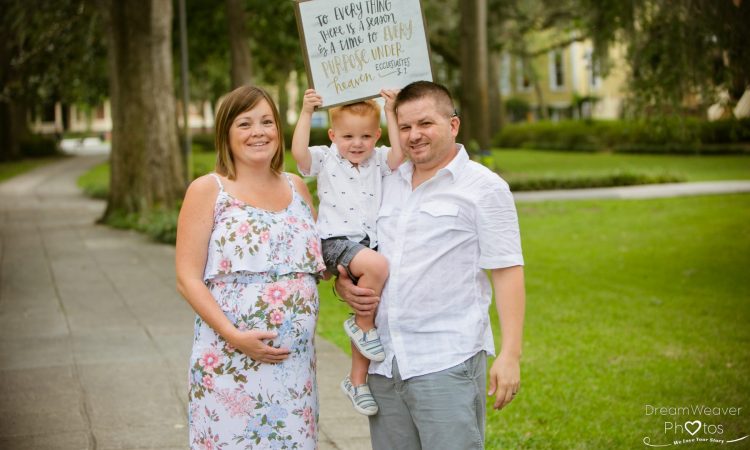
[354, 48]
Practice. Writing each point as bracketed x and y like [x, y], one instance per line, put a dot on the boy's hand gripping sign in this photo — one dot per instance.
[354, 48]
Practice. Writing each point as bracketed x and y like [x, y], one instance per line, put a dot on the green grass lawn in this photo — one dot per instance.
[630, 303]
[13, 168]
[514, 164]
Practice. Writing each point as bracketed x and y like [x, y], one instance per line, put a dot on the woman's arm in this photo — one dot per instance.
[194, 228]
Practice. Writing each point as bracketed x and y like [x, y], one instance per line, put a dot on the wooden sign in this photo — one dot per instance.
[355, 48]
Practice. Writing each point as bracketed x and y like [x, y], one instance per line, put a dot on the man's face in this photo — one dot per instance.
[427, 132]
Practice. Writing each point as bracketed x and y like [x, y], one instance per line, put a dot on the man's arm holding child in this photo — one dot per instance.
[301, 137]
[396, 154]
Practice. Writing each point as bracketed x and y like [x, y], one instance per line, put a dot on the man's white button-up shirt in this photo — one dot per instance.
[349, 196]
[439, 238]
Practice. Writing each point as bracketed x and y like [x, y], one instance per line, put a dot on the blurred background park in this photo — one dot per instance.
[631, 303]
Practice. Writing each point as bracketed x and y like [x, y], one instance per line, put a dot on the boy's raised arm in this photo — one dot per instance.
[396, 155]
[301, 137]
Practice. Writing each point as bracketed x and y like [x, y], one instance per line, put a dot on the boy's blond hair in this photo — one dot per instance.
[363, 109]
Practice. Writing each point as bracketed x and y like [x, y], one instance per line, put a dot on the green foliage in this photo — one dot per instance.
[517, 108]
[208, 49]
[12, 168]
[52, 53]
[36, 146]
[203, 142]
[615, 178]
[159, 224]
[663, 136]
[675, 51]
[95, 182]
[534, 164]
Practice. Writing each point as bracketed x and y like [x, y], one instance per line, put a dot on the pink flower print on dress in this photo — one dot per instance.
[265, 236]
[307, 414]
[243, 229]
[210, 359]
[208, 382]
[237, 403]
[225, 265]
[291, 219]
[206, 444]
[276, 317]
[235, 203]
[275, 294]
[308, 388]
[314, 246]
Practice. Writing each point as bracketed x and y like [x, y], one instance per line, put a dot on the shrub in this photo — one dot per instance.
[618, 178]
[517, 108]
[37, 146]
[203, 142]
[671, 135]
[159, 224]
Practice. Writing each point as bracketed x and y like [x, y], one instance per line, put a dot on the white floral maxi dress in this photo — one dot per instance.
[261, 269]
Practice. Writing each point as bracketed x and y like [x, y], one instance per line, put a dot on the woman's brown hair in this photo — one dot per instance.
[242, 99]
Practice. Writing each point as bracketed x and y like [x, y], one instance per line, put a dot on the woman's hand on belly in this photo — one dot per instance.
[252, 343]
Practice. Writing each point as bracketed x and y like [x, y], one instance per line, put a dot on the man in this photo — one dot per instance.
[443, 222]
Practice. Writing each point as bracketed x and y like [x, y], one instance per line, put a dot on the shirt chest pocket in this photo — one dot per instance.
[438, 216]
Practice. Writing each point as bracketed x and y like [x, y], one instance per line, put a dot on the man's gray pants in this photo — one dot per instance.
[441, 410]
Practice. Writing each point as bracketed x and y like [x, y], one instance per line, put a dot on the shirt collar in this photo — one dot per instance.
[453, 169]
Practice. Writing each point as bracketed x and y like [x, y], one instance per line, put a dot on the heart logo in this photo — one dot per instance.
[696, 424]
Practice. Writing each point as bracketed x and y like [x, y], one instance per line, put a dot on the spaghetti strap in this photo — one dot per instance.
[218, 181]
[291, 184]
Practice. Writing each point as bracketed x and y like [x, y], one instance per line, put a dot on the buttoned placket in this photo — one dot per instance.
[411, 207]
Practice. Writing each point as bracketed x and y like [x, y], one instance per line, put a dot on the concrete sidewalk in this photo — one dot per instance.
[638, 192]
[94, 339]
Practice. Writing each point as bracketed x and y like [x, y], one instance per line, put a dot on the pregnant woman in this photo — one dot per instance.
[247, 260]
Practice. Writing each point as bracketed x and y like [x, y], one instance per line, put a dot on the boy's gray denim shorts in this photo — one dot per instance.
[340, 250]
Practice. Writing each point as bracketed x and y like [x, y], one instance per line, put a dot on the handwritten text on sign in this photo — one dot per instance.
[356, 48]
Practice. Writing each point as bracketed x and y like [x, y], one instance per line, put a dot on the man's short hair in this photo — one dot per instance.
[363, 109]
[420, 89]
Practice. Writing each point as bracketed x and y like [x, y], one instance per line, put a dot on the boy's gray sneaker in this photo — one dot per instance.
[361, 398]
[368, 343]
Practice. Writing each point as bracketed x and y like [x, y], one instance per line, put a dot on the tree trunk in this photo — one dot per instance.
[284, 99]
[14, 128]
[496, 110]
[146, 168]
[474, 72]
[239, 48]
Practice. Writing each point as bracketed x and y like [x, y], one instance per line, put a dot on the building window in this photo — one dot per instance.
[556, 69]
[505, 69]
[523, 79]
[593, 70]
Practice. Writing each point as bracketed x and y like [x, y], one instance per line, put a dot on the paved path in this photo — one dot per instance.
[94, 339]
[638, 192]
